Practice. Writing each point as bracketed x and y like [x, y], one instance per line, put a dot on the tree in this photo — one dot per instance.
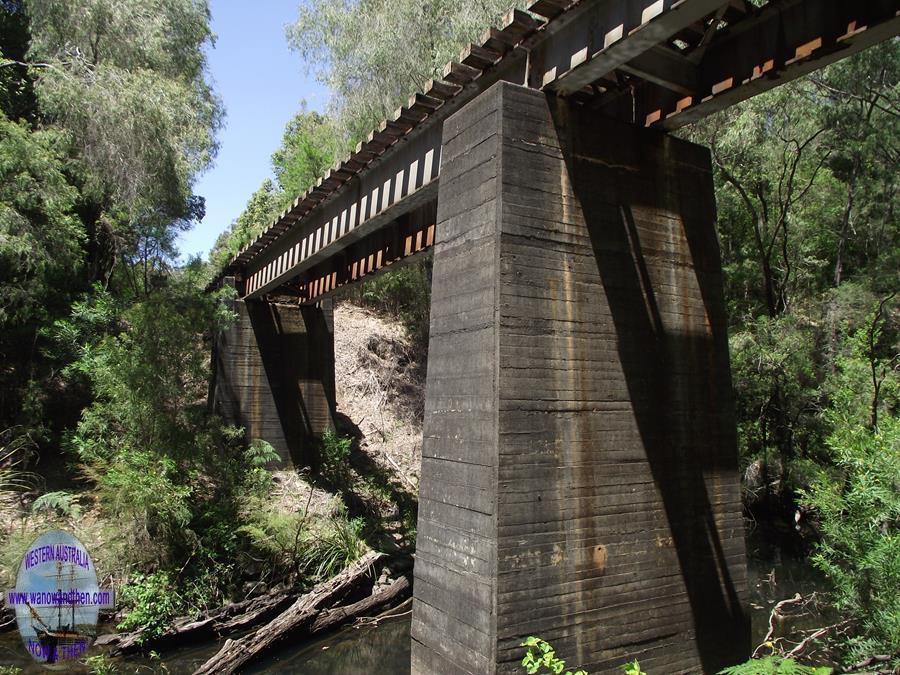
[309, 147]
[261, 208]
[858, 100]
[373, 54]
[767, 152]
[41, 251]
[127, 79]
[856, 498]
[17, 100]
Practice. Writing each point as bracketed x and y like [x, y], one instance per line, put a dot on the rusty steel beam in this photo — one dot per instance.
[781, 42]
[397, 244]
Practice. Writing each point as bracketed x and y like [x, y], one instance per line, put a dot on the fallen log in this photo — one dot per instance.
[235, 654]
[331, 618]
[220, 622]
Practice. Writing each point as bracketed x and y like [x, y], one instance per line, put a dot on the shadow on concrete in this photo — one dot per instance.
[297, 352]
[678, 380]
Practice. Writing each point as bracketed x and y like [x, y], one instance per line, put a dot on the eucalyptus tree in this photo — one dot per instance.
[373, 54]
[128, 79]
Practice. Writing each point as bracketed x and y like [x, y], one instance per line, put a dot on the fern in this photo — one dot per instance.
[63, 503]
[260, 453]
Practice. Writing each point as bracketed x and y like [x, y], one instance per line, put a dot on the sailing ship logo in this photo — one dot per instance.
[57, 599]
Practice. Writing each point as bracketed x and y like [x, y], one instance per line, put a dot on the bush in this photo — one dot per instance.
[100, 664]
[774, 665]
[334, 454]
[857, 497]
[858, 505]
[339, 545]
[540, 655]
[153, 603]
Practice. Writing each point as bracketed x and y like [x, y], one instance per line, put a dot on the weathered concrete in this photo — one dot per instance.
[579, 471]
[274, 375]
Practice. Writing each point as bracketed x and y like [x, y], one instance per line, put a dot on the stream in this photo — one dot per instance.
[384, 649]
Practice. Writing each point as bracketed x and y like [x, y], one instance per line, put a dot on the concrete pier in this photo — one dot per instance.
[579, 474]
[274, 375]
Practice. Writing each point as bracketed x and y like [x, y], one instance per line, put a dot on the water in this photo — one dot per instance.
[382, 649]
[385, 649]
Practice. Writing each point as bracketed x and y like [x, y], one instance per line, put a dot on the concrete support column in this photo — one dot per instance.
[274, 375]
[579, 473]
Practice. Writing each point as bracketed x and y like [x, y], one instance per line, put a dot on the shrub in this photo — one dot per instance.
[337, 547]
[540, 655]
[334, 454]
[100, 664]
[857, 498]
[60, 502]
[153, 603]
[774, 665]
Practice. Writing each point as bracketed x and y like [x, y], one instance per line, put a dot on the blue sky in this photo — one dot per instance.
[262, 84]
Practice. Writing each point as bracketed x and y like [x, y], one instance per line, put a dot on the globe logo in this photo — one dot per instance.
[57, 599]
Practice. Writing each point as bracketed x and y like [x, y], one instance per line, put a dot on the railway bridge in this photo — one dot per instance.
[579, 474]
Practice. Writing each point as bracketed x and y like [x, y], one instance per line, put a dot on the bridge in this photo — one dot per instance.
[579, 472]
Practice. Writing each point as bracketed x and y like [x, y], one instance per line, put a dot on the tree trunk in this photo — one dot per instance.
[301, 615]
[845, 228]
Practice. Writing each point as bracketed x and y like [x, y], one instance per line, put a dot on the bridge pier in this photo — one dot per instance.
[579, 474]
[274, 375]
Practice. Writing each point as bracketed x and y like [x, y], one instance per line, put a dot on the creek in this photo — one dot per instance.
[384, 648]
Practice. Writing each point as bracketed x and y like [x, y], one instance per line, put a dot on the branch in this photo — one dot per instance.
[815, 635]
[862, 99]
[776, 615]
[34, 64]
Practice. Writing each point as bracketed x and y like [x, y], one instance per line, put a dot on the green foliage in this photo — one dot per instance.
[777, 387]
[13, 455]
[310, 545]
[161, 465]
[40, 237]
[16, 88]
[260, 454]
[856, 497]
[127, 78]
[355, 47]
[10, 670]
[774, 665]
[633, 668]
[60, 502]
[152, 601]
[100, 664]
[309, 148]
[337, 547]
[540, 655]
[334, 454]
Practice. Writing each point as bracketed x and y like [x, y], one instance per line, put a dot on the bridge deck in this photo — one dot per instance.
[660, 64]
